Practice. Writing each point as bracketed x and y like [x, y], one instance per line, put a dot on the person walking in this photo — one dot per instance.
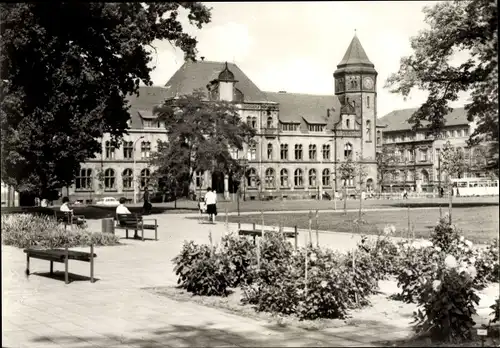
[210, 201]
[147, 205]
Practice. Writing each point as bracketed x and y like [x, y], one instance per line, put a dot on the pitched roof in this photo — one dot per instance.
[313, 108]
[196, 75]
[397, 119]
[355, 55]
[149, 97]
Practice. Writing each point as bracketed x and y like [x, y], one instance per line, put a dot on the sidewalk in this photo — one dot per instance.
[116, 311]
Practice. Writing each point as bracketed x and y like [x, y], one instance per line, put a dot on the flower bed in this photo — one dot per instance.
[26, 230]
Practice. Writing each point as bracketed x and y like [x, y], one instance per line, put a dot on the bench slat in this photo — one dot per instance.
[58, 255]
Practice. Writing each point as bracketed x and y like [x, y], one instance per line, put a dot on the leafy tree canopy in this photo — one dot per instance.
[466, 26]
[453, 161]
[201, 134]
[67, 68]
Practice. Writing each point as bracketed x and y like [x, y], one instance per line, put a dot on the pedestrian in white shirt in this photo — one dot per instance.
[122, 209]
[210, 201]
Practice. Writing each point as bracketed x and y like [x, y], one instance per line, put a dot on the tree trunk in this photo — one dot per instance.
[345, 200]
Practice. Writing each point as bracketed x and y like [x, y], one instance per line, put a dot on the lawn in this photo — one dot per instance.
[479, 224]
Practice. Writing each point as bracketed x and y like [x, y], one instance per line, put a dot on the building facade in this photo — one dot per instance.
[416, 155]
[301, 139]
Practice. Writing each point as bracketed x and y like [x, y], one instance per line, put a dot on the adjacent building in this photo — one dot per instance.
[416, 155]
[301, 138]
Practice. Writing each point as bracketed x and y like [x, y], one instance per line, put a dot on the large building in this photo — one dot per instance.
[416, 164]
[301, 139]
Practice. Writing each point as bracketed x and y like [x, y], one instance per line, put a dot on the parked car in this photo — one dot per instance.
[108, 202]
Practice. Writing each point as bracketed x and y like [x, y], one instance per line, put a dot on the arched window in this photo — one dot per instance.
[298, 152]
[145, 175]
[348, 123]
[249, 121]
[312, 177]
[326, 177]
[84, 180]
[367, 101]
[379, 138]
[269, 122]
[128, 149]
[369, 184]
[253, 151]
[145, 149]
[348, 151]
[312, 152]
[297, 176]
[127, 178]
[199, 178]
[284, 151]
[254, 122]
[425, 176]
[252, 177]
[110, 150]
[109, 179]
[269, 151]
[326, 151]
[284, 178]
[368, 130]
[270, 180]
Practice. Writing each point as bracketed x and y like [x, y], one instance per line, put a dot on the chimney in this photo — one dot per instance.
[328, 113]
[202, 58]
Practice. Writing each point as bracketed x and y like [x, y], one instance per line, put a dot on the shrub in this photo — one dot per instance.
[202, 270]
[27, 230]
[241, 253]
[444, 234]
[447, 299]
[384, 255]
[496, 310]
[487, 263]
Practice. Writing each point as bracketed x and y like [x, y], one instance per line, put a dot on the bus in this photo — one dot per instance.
[476, 186]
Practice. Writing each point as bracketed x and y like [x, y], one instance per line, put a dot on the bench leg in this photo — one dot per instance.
[66, 277]
[27, 265]
[91, 263]
[156, 233]
[142, 234]
[126, 233]
[51, 267]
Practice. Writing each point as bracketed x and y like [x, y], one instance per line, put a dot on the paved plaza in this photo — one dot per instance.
[41, 311]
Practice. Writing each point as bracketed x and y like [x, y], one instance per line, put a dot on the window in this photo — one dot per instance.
[269, 178]
[249, 121]
[315, 127]
[110, 150]
[84, 180]
[312, 152]
[289, 126]
[233, 152]
[312, 177]
[284, 151]
[269, 122]
[128, 149]
[127, 178]
[150, 123]
[284, 178]
[423, 155]
[252, 178]
[448, 134]
[253, 151]
[438, 153]
[455, 133]
[269, 151]
[397, 155]
[368, 130]
[348, 123]
[254, 122]
[464, 132]
[379, 138]
[199, 178]
[425, 177]
[348, 151]
[326, 151]
[145, 149]
[145, 175]
[297, 176]
[367, 101]
[298, 152]
[326, 177]
[109, 179]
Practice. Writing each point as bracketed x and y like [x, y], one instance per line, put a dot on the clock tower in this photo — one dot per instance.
[356, 89]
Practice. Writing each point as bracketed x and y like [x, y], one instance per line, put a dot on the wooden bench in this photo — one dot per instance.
[135, 222]
[61, 256]
[258, 233]
[68, 218]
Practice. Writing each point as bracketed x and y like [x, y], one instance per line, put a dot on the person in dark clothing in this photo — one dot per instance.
[147, 205]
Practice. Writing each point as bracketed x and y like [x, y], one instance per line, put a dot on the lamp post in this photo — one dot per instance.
[133, 168]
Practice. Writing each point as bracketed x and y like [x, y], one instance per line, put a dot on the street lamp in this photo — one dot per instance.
[133, 170]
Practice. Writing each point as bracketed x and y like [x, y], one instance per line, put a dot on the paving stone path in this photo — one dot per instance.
[116, 311]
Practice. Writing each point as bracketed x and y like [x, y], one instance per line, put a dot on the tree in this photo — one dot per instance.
[453, 161]
[470, 27]
[67, 68]
[385, 164]
[200, 135]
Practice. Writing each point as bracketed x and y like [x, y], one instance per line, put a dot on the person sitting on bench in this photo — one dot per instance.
[122, 209]
[65, 206]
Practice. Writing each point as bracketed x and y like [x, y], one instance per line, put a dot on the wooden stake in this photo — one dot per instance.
[296, 237]
[310, 226]
[450, 204]
[317, 230]
[305, 278]
[227, 223]
[408, 220]
[258, 253]
[262, 220]
[354, 273]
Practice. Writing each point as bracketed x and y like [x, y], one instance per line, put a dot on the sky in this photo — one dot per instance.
[296, 46]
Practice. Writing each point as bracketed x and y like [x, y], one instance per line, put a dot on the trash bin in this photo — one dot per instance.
[108, 225]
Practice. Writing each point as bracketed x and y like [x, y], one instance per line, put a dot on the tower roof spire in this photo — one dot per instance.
[355, 54]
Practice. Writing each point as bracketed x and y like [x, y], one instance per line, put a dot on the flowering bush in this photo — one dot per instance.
[241, 253]
[384, 253]
[447, 299]
[487, 263]
[444, 234]
[496, 311]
